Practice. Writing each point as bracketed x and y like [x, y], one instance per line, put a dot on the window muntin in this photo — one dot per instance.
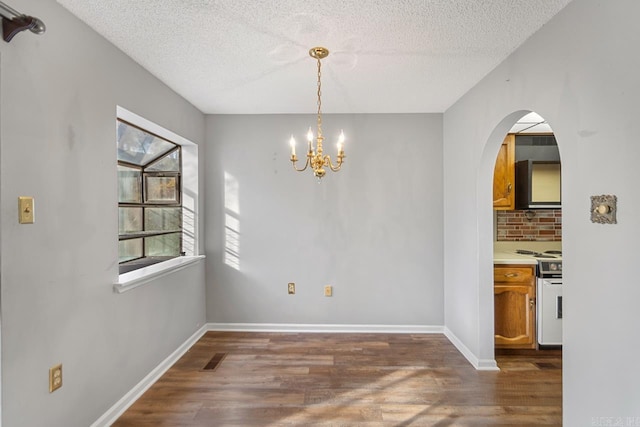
[149, 198]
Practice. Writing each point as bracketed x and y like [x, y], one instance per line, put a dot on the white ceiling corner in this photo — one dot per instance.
[251, 56]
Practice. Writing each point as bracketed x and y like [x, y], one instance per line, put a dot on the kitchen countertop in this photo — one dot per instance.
[504, 252]
[511, 258]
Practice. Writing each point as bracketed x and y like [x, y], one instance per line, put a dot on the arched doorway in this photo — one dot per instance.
[532, 226]
[527, 239]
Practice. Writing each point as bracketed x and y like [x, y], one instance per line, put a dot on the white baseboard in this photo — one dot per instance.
[479, 364]
[134, 394]
[289, 327]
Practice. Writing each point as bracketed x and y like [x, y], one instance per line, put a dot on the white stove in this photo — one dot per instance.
[549, 295]
[549, 302]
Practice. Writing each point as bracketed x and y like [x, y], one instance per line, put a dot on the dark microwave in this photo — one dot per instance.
[538, 184]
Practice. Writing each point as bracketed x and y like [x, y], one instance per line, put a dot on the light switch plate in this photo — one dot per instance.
[26, 214]
[328, 291]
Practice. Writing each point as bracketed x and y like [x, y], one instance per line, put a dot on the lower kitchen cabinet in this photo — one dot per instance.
[515, 306]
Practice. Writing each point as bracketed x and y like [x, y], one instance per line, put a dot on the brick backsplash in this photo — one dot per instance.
[545, 225]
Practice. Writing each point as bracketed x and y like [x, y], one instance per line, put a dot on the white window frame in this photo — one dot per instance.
[141, 276]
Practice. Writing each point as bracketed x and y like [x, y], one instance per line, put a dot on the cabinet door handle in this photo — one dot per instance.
[532, 303]
[511, 275]
[509, 187]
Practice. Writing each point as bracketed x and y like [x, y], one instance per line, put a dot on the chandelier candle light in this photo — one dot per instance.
[315, 156]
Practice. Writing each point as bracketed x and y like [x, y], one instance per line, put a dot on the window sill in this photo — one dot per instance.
[133, 279]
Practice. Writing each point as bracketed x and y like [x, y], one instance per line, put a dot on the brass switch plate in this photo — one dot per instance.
[291, 288]
[328, 291]
[55, 378]
[26, 214]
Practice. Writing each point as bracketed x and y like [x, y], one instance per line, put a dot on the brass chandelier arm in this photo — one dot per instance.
[306, 165]
[294, 159]
[327, 162]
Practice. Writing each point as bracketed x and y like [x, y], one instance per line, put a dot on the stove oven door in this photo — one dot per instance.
[549, 311]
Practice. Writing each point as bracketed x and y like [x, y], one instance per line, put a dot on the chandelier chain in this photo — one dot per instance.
[319, 99]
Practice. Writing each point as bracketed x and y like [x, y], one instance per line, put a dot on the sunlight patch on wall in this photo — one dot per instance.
[189, 244]
[231, 221]
[232, 242]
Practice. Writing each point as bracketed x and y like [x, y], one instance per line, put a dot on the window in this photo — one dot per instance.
[149, 198]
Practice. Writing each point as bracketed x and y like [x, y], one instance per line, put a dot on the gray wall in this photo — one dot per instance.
[577, 73]
[373, 230]
[58, 96]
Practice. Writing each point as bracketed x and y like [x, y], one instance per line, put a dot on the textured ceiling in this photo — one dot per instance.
[251, 56]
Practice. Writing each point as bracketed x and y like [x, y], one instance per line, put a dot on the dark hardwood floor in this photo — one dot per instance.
[295, 379]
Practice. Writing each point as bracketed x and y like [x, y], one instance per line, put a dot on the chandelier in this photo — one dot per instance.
[315, 156]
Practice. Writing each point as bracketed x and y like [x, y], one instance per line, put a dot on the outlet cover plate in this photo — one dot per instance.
[55, 378]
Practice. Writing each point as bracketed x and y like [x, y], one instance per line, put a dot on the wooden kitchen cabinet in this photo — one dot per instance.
[504, 175]
[514, 306]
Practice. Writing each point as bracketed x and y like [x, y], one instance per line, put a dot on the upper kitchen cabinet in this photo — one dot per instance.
[504, 176]
[527, 170]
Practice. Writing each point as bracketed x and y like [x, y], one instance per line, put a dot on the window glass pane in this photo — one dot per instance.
[161, 189]
[169, 163]
[165, 245]
[139, 147]
[130, 219]
[129, 185]
[129, 249]
[162, 219]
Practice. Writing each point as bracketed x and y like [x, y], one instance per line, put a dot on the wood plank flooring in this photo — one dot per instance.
[295, 379]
